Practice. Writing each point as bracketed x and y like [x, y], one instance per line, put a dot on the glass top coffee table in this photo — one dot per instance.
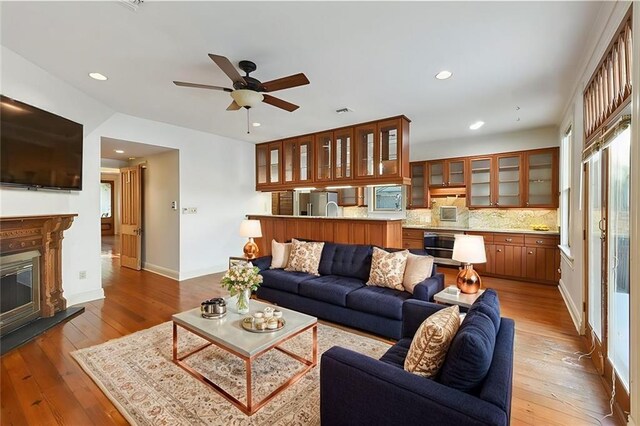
[228, 334]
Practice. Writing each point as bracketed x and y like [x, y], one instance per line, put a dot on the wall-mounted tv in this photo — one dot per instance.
[38, 149]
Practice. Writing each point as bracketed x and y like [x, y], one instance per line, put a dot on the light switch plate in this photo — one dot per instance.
[189, 210]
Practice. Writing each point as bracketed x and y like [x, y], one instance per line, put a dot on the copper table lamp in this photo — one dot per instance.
[250, 229]
[469, 249]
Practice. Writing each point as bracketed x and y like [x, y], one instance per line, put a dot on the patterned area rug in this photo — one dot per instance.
[137, 375]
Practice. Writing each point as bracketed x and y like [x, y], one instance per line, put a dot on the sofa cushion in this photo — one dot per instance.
[431, 342]
[283, 280]
[347, 260]
[397, 353]
[387, 269]
[470, 353]
[305, 257]
[330, 288]
[378, 301]
[489, 305]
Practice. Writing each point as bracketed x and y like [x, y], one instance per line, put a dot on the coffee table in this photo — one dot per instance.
[227, 333]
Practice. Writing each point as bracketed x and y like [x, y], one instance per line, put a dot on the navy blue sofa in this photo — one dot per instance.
[358, 390]
[340, 293]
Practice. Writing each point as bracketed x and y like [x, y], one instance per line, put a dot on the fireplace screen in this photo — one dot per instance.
[19, 289]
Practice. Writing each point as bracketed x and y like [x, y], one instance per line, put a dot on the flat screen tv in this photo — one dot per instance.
[38, 149]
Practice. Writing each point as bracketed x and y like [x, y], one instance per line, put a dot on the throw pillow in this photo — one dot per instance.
[280, 253]
[418, 269]
[470, 354]
[305, 257]
[431, 342]
[387, 269]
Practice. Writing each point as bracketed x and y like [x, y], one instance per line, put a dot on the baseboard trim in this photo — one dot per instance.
[574, 312]
[87, 296]
[165, 272]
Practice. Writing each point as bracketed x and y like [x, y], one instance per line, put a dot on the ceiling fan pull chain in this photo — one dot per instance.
[248, 120]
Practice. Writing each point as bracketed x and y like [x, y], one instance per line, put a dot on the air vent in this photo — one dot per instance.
[343, 110]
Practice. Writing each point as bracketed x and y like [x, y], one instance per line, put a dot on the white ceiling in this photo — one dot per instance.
[108, 148]
[379, 59]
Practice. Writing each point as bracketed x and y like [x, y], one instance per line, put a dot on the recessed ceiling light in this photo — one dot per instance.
[132, 158]
[476, 125]
[119, 151]
[443, 75]
[256, 124]
[97, 76]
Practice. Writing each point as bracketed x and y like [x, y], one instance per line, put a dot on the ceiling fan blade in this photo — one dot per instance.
[233, 106]
[285, 83]
[227, 67]
[201, 86]
[277, 102]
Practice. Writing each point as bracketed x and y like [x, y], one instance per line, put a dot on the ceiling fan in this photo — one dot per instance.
[247, 91]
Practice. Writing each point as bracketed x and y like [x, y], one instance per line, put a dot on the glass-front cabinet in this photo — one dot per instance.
[419, 193]
[269, 164]
[365, 146]
[275, 150]
[447, 173]
[304, 159]
[388, 155]
[436, 173]
[261, 165]
[289, 160]
[509, 182]
[479, 191]
[541, 178]
[455, 172]
[343, 154]
[324, 156]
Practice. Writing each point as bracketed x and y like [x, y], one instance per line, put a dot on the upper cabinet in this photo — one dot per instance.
[541, 178]
[368, 153]
[418, 191]
[509, 182]
[447, 173]
[480, 186]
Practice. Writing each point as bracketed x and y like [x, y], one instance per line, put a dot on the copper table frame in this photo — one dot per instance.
[250, 408]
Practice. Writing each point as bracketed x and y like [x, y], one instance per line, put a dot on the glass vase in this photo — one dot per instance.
[242, 303]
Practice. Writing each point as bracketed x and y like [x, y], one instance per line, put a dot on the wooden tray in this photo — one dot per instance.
[247, 324]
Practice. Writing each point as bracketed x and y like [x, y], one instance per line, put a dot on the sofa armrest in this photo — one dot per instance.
[262, 263]
[414, 312]
[425, 290]
[358, 390]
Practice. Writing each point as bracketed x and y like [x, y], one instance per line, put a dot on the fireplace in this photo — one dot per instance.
[19, 289]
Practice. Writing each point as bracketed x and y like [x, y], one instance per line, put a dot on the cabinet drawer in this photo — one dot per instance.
[541, 241]
[512, 239]
[413, 244]
[488, 236]
[414, 234]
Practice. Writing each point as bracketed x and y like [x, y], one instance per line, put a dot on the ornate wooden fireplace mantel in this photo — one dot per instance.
[43, 233]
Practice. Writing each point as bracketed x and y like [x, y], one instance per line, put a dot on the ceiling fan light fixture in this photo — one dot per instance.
[247, 98]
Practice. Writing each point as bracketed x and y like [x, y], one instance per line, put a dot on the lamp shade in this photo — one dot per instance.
[247, 98]
[469, 249]
[250, 229]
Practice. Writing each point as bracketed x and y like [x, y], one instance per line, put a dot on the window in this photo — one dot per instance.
[388, 198]
[565, 188]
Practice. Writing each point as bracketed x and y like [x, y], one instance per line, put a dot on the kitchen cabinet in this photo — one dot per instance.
[365, 154]
[480, 182]
[418, 190]
[349, 197]
[541, 178]
[282, 203]
[541, 258]
[447, 173]
[413, 238]
[297, 160]
[508, 180]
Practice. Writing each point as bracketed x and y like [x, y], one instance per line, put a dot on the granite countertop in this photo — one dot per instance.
[463, 229]
[384, 219]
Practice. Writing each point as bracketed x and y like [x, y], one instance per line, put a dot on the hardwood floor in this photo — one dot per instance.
[41, 384]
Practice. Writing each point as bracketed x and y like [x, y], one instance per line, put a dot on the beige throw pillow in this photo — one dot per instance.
[431, 342]
[418, 269]
[305, 257]
[387, 269]
[280, 253]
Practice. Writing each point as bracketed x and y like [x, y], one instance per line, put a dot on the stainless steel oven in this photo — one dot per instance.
[440, 246]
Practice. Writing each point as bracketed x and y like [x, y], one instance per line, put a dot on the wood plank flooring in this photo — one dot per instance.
[40, 384]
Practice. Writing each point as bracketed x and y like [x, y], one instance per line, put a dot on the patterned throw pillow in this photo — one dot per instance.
[387, 269]
[431, 342]
[305, 257]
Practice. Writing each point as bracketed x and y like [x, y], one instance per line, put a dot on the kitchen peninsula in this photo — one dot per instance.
[349, 230]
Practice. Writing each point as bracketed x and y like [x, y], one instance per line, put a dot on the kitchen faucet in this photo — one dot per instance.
[326, 208]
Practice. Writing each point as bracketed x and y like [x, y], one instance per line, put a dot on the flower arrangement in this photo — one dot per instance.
[241, 279]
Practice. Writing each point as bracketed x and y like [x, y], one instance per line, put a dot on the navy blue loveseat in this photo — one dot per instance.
[340, 293]
[359, 390]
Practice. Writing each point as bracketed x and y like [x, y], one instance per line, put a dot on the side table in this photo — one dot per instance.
[463, 300]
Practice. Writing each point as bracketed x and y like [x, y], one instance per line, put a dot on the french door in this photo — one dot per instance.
[607, 235]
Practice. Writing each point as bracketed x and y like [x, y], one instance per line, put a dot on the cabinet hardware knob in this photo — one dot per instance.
[539, 241]
[490, 203]
[527, 204]
[530, 252]
[560, 271]
[443, 184]
[508, 239]
[499, 250]
[497, 204]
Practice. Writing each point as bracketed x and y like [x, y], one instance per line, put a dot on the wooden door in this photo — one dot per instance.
[131, 217]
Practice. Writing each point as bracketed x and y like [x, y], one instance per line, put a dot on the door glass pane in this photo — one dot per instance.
[436, 174]
[274, 162]
[481, 182]
[105, 199]
[262, 165]
[388, 164]
[343, 157]
[365, 152]
[509, 181]
[594, 211]
[456, 173]
[288, 161]
[417, 185]
[618, 253]
[540, 179]
[304, 161]
[324, 157]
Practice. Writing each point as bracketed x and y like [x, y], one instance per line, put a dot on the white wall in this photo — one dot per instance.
[161, 223]
[541, 137]
[24, 81]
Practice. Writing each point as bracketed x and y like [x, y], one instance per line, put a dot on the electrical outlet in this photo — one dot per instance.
[189, 210]
[82, 275]
[174, 205]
